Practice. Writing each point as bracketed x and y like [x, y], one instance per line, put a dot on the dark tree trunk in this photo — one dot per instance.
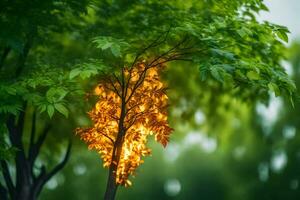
[27, 184]
[24, 194]
[111, 187]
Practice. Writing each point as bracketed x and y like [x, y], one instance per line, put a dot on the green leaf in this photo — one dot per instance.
[11, 90]
[203, 72]
[242, 33]
[42, 108]
[228, 68]
[274, 88]
[102, 42]
[106, 45]
[10, 108]
[217, 74]
[50, 110]
[88, 73]
[129, 58]
[253, 75]
[55, 94]
[264, 7]
[223, 53]
[62, 109]
[115, 45]
[115, 50]
[282, 34]
[74, 73]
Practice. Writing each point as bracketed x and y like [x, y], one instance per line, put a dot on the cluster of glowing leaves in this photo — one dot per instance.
[145, 101]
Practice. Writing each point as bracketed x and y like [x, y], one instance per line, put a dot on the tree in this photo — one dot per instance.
[130, 108]
[221, 41]
[31, 86]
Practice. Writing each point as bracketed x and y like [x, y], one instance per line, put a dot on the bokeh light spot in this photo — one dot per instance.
[172, 187]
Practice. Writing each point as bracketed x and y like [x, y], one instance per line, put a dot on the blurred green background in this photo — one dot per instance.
[221, 149]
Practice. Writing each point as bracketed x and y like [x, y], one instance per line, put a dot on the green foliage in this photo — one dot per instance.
[10, 100]
[116, 46]
[88, 69]
[227, 42]
[281, 32]
[47, 62]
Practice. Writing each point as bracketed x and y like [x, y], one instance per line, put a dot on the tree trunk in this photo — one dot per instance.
[25, 193]
[27, 185]
[111, 187]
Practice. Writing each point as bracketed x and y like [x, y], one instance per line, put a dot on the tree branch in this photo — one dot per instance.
[38, 182]
[43, 177]
[114, 75]
[105, 135]
[132, 107]
[60, 165]
[123, 83]
[35, 148]
[137, 84]
[153, 64]
[7, 178]
[169, 51]
[114, 87]
[156, 42]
